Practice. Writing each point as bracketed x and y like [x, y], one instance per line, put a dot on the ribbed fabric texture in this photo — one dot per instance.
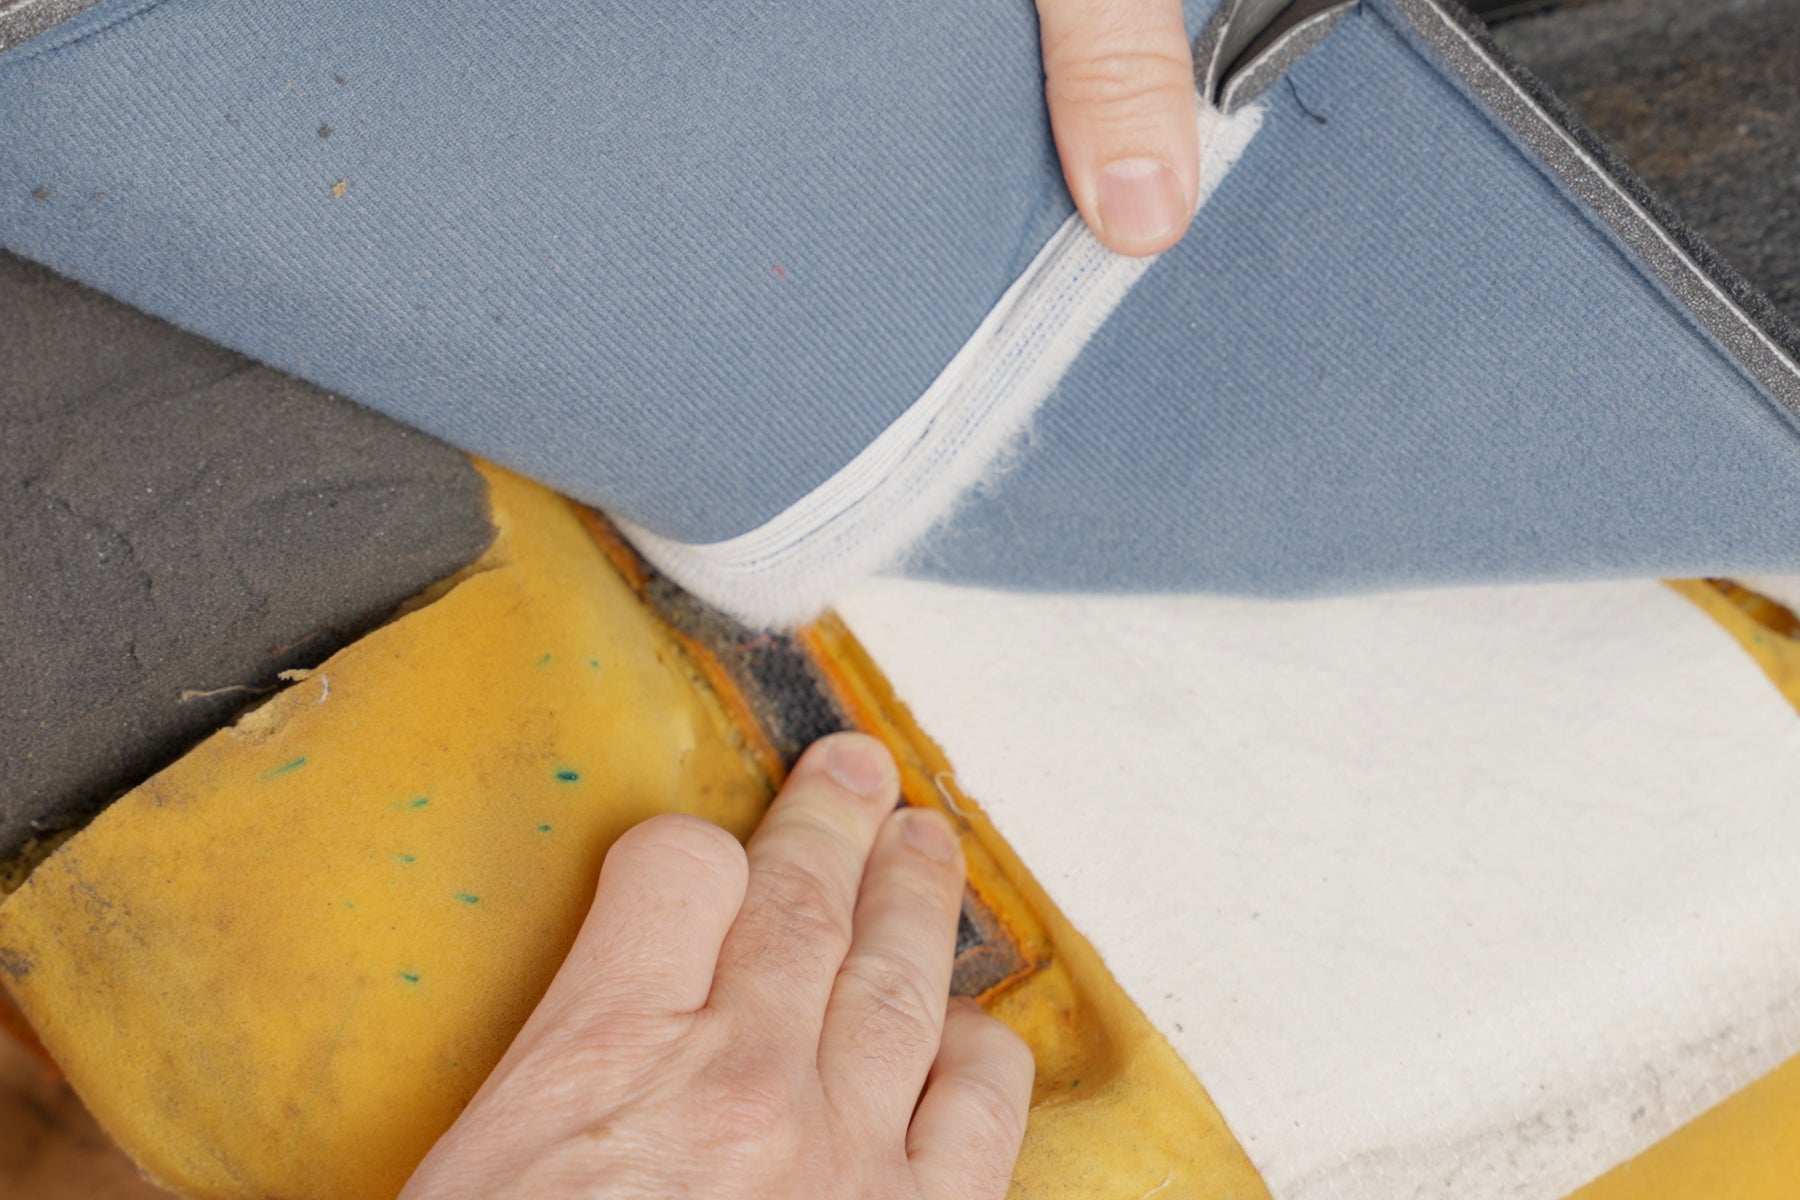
[873, 511]
[688, 263]
[1391, 352]
[682, 261]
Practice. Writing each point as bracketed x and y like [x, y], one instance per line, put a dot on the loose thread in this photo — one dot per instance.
[944, 794]
[207, 693]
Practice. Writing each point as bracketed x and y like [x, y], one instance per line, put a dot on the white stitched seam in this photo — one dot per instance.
[910, 477]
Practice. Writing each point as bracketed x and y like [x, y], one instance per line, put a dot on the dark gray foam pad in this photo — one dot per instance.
[1703, 101]
[179, 525]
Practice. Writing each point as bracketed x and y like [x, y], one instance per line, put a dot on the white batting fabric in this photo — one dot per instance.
[1464, 894]
[869, 513]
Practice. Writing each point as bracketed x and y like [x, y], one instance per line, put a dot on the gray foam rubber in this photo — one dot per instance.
[1703, 101]
[177, 520]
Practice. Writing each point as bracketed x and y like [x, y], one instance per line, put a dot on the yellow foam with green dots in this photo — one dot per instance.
[425, 815]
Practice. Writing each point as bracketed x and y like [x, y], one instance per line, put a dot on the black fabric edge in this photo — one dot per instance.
[1758, 307]
[1753, 308]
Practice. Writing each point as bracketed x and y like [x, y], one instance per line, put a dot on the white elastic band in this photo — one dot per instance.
[880, 503]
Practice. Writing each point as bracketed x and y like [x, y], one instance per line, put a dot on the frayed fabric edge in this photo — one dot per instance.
[876, 507]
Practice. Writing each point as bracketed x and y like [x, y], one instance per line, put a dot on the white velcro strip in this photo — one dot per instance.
[879, 504]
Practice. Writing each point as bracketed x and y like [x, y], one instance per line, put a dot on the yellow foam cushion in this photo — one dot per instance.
[282, 966]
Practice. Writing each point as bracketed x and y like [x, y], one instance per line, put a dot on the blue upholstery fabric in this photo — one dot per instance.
[680, 260]
[1392, 351]
[684, 261]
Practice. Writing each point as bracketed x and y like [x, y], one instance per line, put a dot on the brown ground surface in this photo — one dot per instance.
[50, 1148]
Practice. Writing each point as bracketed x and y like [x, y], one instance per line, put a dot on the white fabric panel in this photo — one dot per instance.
[1466, 894]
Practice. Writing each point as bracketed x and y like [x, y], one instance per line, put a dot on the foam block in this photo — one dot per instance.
[181, 525]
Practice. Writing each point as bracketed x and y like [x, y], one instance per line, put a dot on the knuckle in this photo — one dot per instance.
[688, 836]
[1012, 1054]
[898, 1008]
[803, 902]
[593, 1050]
[1109, 91]
[1121, 58]
[588, 1056]
[1000, 1044]
[995, 1113]
[748, 1099]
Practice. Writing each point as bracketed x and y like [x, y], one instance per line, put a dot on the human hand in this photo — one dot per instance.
[761, 1022]
[1119, 78]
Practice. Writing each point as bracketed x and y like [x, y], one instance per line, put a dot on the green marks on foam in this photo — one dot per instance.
[349, 904]
[567, 775]
[415, 802]
[284, 768]
[407, 858]
[592, 662]
[543, 829]
[411, 977]
[466, 898]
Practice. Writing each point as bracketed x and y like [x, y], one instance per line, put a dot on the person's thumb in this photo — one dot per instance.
[1119, 78]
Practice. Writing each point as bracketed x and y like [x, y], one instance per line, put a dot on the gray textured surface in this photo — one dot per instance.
[23, 19]
[177, 520]
[1741, 318]
[1703, 101]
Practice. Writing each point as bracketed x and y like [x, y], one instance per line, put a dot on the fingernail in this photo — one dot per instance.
[929, 834]
[860, 764]
[1140, 201]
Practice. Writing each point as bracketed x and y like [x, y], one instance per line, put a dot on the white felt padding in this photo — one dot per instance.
[1465, 894]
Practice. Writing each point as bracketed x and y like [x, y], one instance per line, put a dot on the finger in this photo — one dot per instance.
[886, 1016]
[1119, 78]
[965, 1137]
[806, 866]
[669, 890]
